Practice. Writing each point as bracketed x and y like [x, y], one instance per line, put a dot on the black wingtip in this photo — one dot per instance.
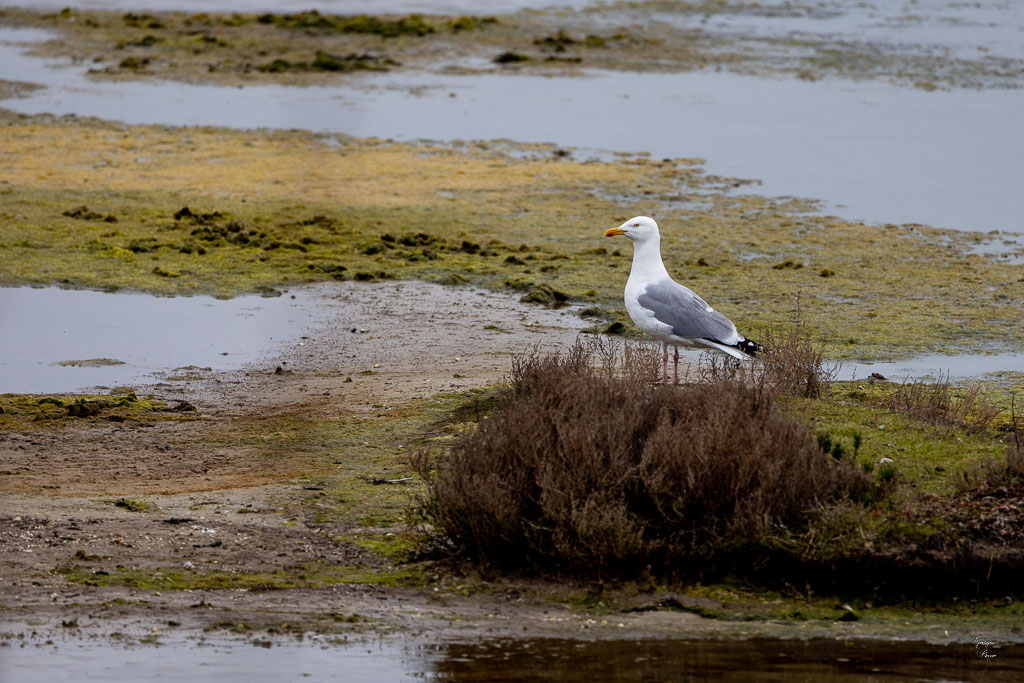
[749, 347]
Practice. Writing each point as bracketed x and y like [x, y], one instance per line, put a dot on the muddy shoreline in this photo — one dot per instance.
[221, 508]
[229, 508]
[205, 506]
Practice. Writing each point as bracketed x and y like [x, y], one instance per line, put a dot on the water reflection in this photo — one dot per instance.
[813, 661]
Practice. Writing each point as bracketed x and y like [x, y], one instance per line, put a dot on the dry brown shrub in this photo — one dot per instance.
[793, 362]
[999, 473]
[790, 362]
[588, 466]
[940, 404]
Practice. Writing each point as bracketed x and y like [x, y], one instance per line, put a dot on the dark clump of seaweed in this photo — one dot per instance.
[545, 295]
[84, 213]
[512, 58]
[588, 467]
[325, 61]
[470, 23]
[557, 42]
[142, 21]
[335, 270]
[411, 25]
[134, 63]
[185, 213]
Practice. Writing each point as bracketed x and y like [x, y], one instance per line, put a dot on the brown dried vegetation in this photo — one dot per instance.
[940, 404]
[790, 362]
[589, 467]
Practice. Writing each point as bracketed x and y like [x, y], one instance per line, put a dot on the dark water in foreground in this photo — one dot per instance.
[530, 659]
[757, 659]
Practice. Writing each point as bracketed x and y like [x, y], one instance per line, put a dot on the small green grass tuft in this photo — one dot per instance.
[133, 505]
[304, 576]
[24, 411]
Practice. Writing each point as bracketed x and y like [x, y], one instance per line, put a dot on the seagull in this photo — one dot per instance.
[666, 310]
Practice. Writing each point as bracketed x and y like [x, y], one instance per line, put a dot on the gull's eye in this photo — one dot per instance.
[636, 225]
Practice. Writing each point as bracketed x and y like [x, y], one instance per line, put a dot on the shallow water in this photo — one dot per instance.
[159, 338]
[498, 660]
[152, 336]
[332, 6]
[936, 367]
[957, 29]
[871, 151]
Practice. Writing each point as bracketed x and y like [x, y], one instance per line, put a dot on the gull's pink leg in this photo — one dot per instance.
[664, 364]
[676, 368]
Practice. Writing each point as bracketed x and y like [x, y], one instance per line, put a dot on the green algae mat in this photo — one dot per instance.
[179, 211]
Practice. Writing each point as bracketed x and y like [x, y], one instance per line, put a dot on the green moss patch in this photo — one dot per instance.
[131, 505]
[21, 411]
[854, 416]
[306, 576]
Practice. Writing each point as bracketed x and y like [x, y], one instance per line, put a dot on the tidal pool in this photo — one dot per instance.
[316, 659]
[47, 333]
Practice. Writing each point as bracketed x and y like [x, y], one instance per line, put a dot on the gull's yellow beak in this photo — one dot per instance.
[612, 232]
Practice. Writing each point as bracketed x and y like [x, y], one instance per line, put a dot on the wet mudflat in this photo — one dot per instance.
[79, 339]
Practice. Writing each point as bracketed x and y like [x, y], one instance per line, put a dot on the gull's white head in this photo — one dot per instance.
[638, 229]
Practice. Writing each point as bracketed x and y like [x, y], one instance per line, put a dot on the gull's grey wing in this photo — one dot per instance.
[687, 313]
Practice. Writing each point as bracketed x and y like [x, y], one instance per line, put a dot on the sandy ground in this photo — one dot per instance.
[228, 506]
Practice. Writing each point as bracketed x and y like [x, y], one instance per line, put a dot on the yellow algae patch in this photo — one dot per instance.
[86, 203]
[234, 164]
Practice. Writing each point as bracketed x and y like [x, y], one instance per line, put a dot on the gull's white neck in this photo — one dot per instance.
[647, 263]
